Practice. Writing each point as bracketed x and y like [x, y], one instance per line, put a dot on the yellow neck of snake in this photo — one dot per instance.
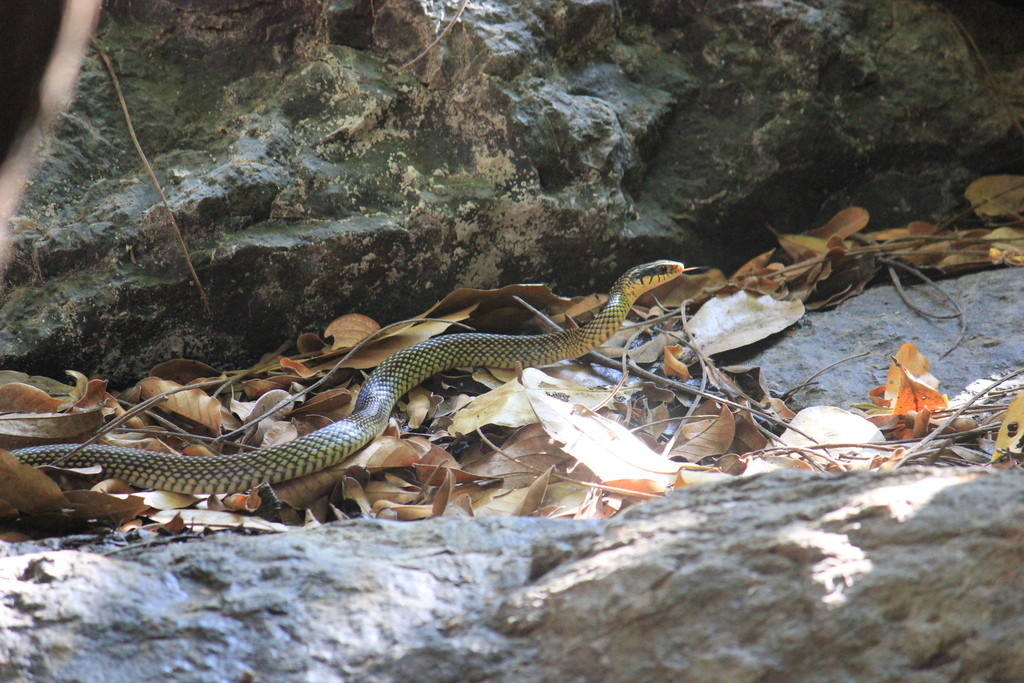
[407, 368]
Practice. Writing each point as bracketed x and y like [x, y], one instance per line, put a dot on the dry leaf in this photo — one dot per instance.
[845, 223]
[828, 425]
[18, 430]
[604, 446]
[192, 404]
[183, 371]
[674, 367]
[198, 520]
[16, 397]
[997, 196]
[706, 437]
[27, 489]
[726, 323]
[349, 330]
[915, 363]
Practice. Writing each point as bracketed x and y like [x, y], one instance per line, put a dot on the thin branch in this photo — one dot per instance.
[417, 58]
[149, 170]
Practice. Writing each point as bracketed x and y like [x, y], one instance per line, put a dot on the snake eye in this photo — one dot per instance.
[1011, 429]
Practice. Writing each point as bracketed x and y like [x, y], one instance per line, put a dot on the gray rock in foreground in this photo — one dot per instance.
[908, 576]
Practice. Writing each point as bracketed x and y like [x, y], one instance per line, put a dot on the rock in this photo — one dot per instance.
[309, 183]
[878, 322]
[791, 576]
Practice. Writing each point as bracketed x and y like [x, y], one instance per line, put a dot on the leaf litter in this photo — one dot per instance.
[574, 439]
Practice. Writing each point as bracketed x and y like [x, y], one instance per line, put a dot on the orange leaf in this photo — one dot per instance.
[845, 223]
[915, 363]
[916, 395]
[296, 367]
[674, 367]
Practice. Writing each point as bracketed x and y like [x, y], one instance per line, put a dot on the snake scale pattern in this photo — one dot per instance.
[383, 387]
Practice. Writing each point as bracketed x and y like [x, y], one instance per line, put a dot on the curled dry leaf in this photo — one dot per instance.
[297, 367]
[95, 396]
[916, 363]
[915, 395]
[674, 366]
[418, 406]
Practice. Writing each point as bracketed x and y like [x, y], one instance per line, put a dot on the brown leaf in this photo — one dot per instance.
[255, 388]
[309, 343]
[18, 430]
[23, 398]
[183, 371]
[104, 506]
[349, 330]
[845, 223]
[534, 495]
[27, 489]
[400, 495]
[707, 437]
[997, 196]
[332, 403]
[444, 494]
[192, 404]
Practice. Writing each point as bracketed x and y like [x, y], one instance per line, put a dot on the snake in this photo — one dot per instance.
[388, 382]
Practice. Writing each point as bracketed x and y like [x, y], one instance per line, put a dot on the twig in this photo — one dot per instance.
[788, 394]
[149, 170]
[417, 58]
[959, 315]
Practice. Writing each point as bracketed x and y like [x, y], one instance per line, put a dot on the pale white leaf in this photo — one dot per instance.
[741, 318]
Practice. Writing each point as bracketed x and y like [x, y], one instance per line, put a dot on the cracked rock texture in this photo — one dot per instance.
[904, 577]
[542, 140]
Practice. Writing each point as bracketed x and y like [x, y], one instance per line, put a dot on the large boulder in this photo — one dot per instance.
[556, 141]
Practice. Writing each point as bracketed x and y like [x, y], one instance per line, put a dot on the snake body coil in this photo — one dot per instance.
[385, 385]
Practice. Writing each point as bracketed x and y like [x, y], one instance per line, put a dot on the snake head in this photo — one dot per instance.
[638, 280]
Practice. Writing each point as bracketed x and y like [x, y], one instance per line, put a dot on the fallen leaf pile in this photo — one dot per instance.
[576, 439]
